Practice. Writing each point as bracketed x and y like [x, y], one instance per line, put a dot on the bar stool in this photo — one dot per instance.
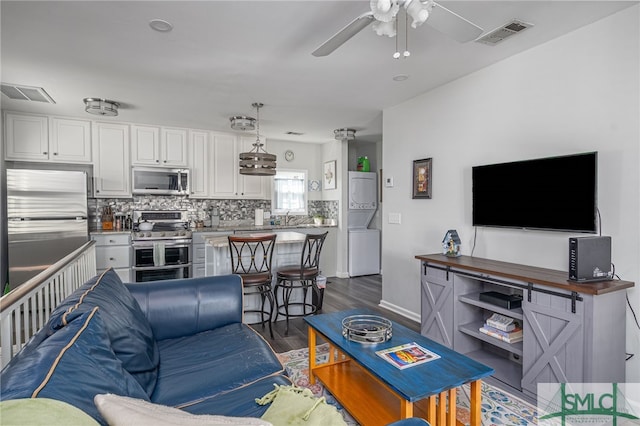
[251, 259]
[302, 276]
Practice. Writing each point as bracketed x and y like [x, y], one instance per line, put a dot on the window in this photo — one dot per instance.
[289, 192]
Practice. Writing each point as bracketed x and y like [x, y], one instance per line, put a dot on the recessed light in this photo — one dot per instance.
[160, 25]
[400, 77]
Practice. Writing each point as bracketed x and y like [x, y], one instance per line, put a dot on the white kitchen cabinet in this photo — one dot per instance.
[155, 146]
[227, 180]
[114, 251]
[111, 167]
[27, 137]
[173, 147]
[252, 186]
[225, 165]
[70, 140]
[145, 145]
[199, 164]
[40, 138]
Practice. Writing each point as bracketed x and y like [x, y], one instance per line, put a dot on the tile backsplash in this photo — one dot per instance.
[229, 210]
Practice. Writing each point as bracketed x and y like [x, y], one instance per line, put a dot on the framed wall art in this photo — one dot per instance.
[422, 178]
[329, 175]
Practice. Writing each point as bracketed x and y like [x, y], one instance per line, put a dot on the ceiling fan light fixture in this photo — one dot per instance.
[418, 11]
[257, 162]
[385, 28]
[100, 106]
[384, 5]
[242, 123]
[384, 10]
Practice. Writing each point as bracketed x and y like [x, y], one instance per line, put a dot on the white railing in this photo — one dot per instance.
[26, 309]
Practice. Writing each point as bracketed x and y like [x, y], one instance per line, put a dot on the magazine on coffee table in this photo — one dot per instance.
[409, 355]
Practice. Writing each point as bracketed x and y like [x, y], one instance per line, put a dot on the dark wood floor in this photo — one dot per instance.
[340, 294]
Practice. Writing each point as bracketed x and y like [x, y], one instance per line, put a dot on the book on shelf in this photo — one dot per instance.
[501, 322]
[512, 336]
[409, 355]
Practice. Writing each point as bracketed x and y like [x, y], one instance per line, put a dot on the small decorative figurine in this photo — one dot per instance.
[451, 244]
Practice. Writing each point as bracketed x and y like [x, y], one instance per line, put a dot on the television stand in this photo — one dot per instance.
[572, 332]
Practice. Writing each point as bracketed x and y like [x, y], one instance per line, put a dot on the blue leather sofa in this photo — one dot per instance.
[179, 343]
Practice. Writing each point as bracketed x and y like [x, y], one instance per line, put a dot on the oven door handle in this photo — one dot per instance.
[156, 268]
[150, 244]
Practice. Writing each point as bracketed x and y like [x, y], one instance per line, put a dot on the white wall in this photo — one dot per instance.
[338, 151]
[306, 158]
[574, 94]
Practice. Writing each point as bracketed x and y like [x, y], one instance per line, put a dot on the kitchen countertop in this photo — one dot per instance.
[287, 237]
[236, 227]
[230, 228]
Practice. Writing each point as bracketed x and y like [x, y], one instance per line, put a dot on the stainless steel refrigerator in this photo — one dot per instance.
[47, 219]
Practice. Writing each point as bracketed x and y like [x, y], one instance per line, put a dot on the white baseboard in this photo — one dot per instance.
[400, 311]
[342, 274]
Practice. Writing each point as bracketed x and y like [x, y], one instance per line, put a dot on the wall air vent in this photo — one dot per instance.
[507, 30]
[26, 93]
[294, 133]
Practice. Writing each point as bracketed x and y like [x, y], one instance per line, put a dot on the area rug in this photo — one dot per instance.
[498, 407]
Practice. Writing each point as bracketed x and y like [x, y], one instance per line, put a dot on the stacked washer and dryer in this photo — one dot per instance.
[364, 242]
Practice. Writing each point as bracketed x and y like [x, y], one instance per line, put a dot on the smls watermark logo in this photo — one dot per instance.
[593, 404]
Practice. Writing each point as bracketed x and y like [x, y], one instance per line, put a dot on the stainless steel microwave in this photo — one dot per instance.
[160, 181]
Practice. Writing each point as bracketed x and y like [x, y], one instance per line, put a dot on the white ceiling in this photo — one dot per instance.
[223, 55]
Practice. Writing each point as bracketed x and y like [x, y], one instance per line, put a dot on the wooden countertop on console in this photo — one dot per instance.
[527, 274]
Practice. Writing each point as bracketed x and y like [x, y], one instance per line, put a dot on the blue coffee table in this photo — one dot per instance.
[376, 392]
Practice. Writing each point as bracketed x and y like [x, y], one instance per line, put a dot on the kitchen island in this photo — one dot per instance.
[218, 258]
[287, 252]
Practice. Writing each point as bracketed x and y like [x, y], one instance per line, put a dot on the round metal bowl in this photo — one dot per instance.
[366, 329]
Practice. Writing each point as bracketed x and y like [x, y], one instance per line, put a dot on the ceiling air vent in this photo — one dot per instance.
[507, 30]
[26, 93]
[294, 133]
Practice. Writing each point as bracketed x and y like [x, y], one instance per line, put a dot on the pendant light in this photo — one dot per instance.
[257, 162]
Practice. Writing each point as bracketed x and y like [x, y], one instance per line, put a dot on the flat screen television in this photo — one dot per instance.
[556, 193]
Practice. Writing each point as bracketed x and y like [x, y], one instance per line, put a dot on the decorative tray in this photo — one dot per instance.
[366, 329]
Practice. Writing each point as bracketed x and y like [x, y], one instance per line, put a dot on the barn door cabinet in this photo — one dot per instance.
[571, 332]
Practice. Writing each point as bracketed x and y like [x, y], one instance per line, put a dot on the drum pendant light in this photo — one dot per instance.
[257, 162]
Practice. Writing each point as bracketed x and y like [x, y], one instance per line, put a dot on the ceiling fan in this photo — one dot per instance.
[383, 15]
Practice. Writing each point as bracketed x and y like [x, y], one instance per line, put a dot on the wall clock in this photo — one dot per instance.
[289, 155]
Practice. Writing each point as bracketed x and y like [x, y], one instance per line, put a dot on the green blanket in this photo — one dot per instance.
[293, 406]
[42, 412]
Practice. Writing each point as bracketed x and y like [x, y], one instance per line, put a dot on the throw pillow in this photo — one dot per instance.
[42, 412]
[73, 365]
[294, 406]
[121, 411]
[132, 339]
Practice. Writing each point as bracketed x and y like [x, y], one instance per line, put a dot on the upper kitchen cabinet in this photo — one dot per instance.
[155, 146]
[225, 166]
[70, 140]
[112, 165]
[199, 164]
[227, 180]
[173, 145]
[39, 138]
[252, 186]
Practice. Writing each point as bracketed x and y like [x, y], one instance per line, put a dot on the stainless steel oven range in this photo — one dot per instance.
[164, 252]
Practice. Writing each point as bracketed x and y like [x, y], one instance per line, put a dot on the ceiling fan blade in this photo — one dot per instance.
[453, 25]
[353, 28]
